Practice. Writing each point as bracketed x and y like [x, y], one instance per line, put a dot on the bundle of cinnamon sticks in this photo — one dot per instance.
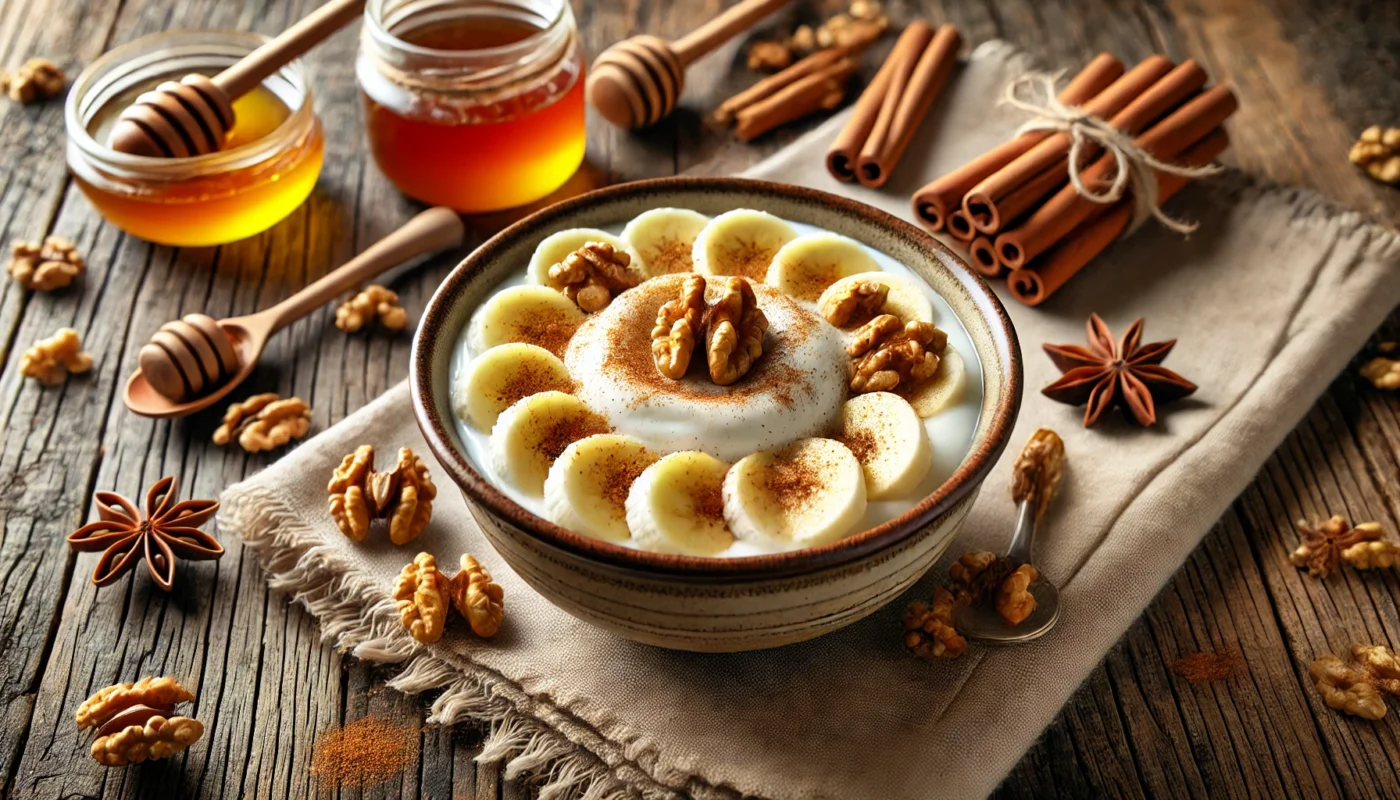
[1015, 206]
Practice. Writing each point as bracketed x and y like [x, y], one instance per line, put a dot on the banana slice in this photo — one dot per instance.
[740, 242]
[809, 493]
[532, 433]
[664, 238]
[889, 441]
[535, 315]
[557, 246]
[943, 389]
[587, 487]
[501, 376]
[906, 298]
[677, 506]
[808, 265]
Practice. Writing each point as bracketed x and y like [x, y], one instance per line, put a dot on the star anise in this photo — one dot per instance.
[1127, 374]
[165, 530]
[1324, 542]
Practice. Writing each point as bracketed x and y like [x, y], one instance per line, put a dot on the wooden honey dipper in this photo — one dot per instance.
[636, 82]
[191, 363]
[193, 117]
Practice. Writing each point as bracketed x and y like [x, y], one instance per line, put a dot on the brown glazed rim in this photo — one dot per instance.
[969, 475]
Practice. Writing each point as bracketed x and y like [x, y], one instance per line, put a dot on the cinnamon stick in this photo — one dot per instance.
[1021, 200]
[876, 118]
[821, 90]
[960, 227]
[1045, 275]
[1068, 209]
[841, 158]
[770, 85]
[933, 202]
[910, 101]
[980, 201]
[984, 258]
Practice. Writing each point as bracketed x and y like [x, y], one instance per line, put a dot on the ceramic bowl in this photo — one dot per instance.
[714, 604]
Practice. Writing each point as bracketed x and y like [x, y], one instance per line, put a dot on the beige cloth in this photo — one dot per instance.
[1268, 300]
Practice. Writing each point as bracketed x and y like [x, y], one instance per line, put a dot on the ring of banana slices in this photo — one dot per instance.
[599, 482]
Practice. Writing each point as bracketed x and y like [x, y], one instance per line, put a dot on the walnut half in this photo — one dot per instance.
[1346, 687]
[677, 325]
[593, 274]
[478, 598]
[855, 303]
[421, 595]
[734, 331]
[45, 267]
[1038, 470]
[404, 495]
[136, 721]
[890, 354]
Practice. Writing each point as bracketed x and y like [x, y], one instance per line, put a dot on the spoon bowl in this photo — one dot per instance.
[984, 623]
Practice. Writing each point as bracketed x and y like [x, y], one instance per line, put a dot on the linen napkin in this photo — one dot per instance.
[1268, 299]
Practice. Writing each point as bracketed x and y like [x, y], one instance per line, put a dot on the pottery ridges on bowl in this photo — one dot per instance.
[725, 604]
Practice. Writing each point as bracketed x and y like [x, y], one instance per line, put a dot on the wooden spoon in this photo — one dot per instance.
[195, 361]
[194, 116]
[637, 81]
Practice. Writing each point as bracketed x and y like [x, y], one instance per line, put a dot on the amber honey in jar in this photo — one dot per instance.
[473, 104]
[265, 170]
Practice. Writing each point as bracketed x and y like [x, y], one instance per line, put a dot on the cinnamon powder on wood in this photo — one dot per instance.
[365, 752]
[1203, 668]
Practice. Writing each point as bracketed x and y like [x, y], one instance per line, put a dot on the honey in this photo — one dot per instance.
[266, 169]
[480, 111]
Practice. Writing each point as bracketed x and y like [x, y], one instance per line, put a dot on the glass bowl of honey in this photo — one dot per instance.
[473, 104]
[268, 166]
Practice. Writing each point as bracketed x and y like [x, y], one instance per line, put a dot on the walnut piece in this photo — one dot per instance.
[1381, 554]
[45, 267]
[803, 40]
[1014, 600]
[855, 304]
[970, 565]
[421, 596]
[1382, 663]
[677, 324]
[371, 303]
[1038, 470]
[1324, 543]
[1377, 151]
[769, 56]
[890, 354]
[35, 79]
[478, 598]
[1383, 373]
[349, 502]
[734, 331]
[135, 721]
[404, 495]
[929, 631]
[1346, 688]
[591, 275]
[51, 360]
[264, 422]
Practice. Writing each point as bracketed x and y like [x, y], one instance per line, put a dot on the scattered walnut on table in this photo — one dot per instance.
[890, 354]
[374, 302]
[421, 596]
[1378, 554]
[855, 304]
[478, 598]
[593, 274]
[929, 631]
[403, 495]
[264, 422]
[35, 79]
[1377, 151]
[1324, 543]
[45, 267]
[51, 360]
[677, 325]
[1382, 663]
[1382, 372]
[136, 721]
[769, 55]
[734, 331]
[1346, 688]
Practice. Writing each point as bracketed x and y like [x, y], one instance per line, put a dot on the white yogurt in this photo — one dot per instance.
[769, 416]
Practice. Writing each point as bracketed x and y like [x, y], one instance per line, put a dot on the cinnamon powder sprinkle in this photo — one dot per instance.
[365, 752]
[669, 256]
[708, 503]
[746, 259]
[529, 379]
[863, 444]
[561, 433]
[546, 331]
[619, 472]
[1203, 668]
[814, 281]
[793, 481]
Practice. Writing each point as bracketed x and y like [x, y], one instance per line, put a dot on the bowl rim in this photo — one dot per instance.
[964, 480]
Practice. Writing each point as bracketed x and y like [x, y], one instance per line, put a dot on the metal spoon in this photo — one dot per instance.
[985, 624]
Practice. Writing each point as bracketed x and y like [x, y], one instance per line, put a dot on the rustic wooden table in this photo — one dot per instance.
[1309, 73]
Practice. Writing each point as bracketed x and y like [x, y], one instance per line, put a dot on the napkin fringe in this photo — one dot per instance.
[360, 619]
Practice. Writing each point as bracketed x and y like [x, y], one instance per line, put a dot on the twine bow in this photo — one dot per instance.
[1035, 94]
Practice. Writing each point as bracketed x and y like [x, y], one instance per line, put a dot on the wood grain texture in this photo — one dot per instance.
[1310, 74]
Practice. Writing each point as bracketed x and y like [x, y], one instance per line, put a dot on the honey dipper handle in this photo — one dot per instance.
[721, 29]
[433, 230]
[305, 34]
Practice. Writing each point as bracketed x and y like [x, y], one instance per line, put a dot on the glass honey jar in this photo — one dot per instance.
[268, 166]
[473, 104]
